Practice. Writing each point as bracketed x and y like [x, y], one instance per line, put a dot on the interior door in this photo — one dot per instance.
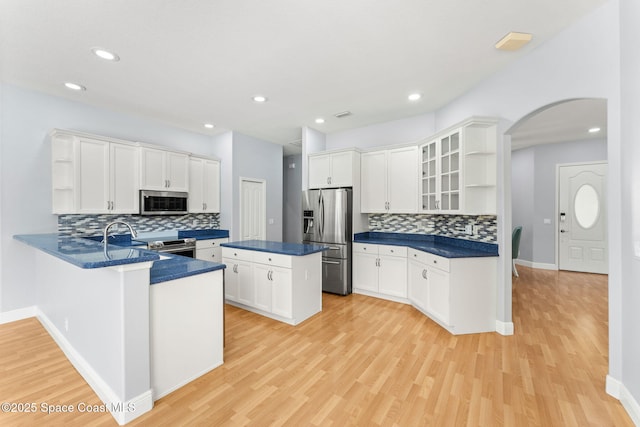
[582, 218]
[252, 209]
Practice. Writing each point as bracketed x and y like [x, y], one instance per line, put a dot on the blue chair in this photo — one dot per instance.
[515, 247]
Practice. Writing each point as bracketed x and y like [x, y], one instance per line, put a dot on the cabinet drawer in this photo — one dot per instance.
[269, 258]
[392, 250]
[365, 248]
[429, 259]
[417, 255]
[438, 262]
[211, 243]
[239, 254]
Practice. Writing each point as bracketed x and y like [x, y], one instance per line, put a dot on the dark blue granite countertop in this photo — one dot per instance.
[447, 247]
[89, 253]
[86, 253]
[118, 240]
[205, 234]
[295, 249]
[177, 267]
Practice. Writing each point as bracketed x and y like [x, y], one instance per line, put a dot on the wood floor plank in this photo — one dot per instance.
[366, 362]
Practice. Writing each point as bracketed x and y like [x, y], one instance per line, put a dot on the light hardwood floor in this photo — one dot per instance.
[366, 362]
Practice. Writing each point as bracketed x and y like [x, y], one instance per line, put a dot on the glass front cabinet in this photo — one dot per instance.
[459, 170]
[441, 174]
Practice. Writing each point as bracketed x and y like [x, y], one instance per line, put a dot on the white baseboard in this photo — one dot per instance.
[616, 389]
[122, 412]
[19, 314]
[540, 265]
[504, 328]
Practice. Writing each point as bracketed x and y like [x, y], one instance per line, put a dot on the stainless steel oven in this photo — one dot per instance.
[185, 247]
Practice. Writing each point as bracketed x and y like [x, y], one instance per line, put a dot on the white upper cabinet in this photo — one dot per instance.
[204, 185]
[93, 176]
[163, 170]
[389, 181]
[459, 170]
[332, 170]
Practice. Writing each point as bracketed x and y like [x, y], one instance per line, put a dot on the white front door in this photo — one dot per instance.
[582, 218]
[253, 216]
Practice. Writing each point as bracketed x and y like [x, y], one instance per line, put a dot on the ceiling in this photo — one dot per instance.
[562, 122]
[190, 62]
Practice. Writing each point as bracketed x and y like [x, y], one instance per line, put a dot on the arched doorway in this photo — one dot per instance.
[549, 140]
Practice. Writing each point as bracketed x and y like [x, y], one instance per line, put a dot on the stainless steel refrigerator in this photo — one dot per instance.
[327, 219]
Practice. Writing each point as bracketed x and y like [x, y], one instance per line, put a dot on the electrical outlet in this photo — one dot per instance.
[66, 324]
[468, 229]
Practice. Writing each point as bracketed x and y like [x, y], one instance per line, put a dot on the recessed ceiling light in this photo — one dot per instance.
[319, 120]
[414, 97]
[594, 130]
[513, 41]
[74, 86]
[209, 126]
[260, 98]
[105, 54]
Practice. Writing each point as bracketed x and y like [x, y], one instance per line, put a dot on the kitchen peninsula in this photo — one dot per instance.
[136, 324]
[279, 280]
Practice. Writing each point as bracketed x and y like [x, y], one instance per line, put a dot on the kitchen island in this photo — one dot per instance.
[279, 280]
[134, 323]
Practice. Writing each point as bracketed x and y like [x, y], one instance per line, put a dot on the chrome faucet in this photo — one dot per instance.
[105, 236]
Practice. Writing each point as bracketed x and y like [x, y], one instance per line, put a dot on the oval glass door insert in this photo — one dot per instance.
[586, 206]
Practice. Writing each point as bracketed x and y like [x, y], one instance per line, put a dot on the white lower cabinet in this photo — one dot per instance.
[380, 270]
[210, 249]
[286, 288]
[458, 293]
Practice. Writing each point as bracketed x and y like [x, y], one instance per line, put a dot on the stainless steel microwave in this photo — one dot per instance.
[163, 202]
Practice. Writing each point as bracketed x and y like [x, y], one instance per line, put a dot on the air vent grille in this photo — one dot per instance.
[342, 114]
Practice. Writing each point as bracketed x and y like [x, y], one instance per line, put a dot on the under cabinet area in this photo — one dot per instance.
[210, 249]
[389, 180]
[380, 270]
[93, 176]
[163, 170]
[283, 287]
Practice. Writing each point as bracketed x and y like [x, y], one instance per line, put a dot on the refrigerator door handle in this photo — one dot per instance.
[321, 215]
[330, 262]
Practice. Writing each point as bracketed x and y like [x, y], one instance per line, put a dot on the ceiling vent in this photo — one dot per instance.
[513, 41]
[342, 115]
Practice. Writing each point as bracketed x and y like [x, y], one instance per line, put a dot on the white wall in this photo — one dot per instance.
[25, 171]
[403, 131]
[292, 204]
[522, 196]
[223, 149]
[628, 344]
[533, 191]
[254, 158]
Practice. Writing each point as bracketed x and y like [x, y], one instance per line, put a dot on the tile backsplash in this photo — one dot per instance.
[442, 225]
[91, 225]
